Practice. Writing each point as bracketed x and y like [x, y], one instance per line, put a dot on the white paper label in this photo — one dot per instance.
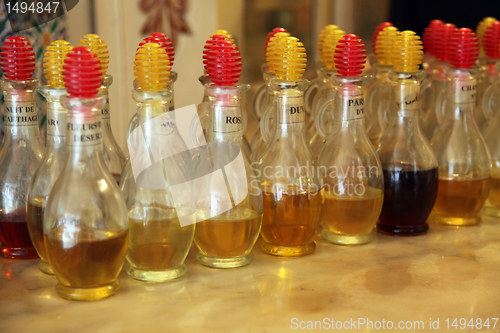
[83, 131]
[55, 123]
[465, 92]
[227, 120]
[354, 107]
[20, 114]
[105, 110]
[293, 111]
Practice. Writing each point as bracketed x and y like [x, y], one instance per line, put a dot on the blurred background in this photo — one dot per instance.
[124, 23]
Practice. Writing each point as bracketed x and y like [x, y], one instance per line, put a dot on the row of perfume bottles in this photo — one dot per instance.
[287, 192]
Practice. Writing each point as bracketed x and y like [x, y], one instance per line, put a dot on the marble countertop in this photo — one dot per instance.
[448, 273]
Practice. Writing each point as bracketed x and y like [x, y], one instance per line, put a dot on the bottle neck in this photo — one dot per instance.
[104, 92]
[56, 116]
[461, 95]
[352, 106]
[405, 106]
[290, 113]
[83, 135]
[226, 118]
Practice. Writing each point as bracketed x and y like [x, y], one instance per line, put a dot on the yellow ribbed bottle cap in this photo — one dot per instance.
[385, 42]
[407, 53]
[330, 41]
[53, 62]
[286, 57]
[224, 33]
[321, 38]
[481, 29]
[152, 68]
[271, 47]
[99, 47]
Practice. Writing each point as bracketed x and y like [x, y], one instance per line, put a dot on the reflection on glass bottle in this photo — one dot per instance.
[158, 241]
[113, 155]
[409, 165]
[85, 228]
[230, 212]
[52, 161]
[348, 164]
[21, 149]
[464, 161]
[330, 39]
[378, 93]
[293, 197]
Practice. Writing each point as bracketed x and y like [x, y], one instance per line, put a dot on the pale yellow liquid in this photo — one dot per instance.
[157, 241]
[352, 214]
[231, 234]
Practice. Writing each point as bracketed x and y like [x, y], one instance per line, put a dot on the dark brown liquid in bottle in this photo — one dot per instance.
[14, 235]
[408, 200]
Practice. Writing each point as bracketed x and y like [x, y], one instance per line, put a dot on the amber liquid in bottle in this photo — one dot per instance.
[228, 235]
[158, 242]
[34, 213]
[352, 214]
[291, 216]
[14, 236]
[492, 206]
[93, 260]
[408, 200]
[459, 202]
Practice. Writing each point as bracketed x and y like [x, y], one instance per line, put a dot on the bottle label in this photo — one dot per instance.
[20, 114]
[408, 102]
[105, 110]
[354, 107]
[293, 110]
[465, 91]
[227, 120]
[83, 131]
[55, 123]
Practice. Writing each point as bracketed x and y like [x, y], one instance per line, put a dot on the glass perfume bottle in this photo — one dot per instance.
[378, 94]
[22, 147]
[229, 213]
[113, 155]
[85, 222]
[435, 85]
[348, 164]
[409, 165]
[259, 143]
[158, 241]
[263, 100]
[464, 161]
[488, 85]
[52, 161]
[293, 196]
[326, 91]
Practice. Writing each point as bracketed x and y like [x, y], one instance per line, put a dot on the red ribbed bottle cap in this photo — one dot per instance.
[429, 37]
[350, 56]
[443, 38]
[223, 63]
[82, 73]
[167, 44]
[464, 49]
[17, 59]
[271, 35]
[378, 29]
[491, 40]
[208, 46]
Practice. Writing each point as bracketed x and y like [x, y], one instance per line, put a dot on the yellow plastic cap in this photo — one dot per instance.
[53, 62]
[152, 68]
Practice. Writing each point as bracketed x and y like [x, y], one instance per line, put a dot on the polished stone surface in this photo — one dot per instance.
[448, 273]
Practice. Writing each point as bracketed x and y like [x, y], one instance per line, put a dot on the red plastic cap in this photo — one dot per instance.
[378, 29]
[464, 49]
[17, 59]
[165, 43]
[350, 56]
[429, 38]
[82, 73]
[271, 35]
[491, 40]
[223, 63]
[443, 38]
[208, 46]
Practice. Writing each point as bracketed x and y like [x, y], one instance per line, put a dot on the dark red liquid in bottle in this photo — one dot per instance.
[408, 200]
[14, 235]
